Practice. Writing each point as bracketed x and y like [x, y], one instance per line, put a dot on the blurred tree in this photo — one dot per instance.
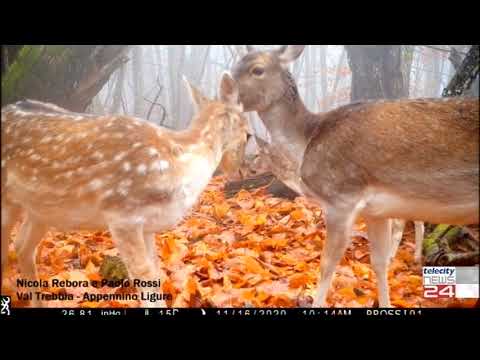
[407, 53]
[137, 79]
[323, 77]
[67, 75]
[376, 72]
[466, 75]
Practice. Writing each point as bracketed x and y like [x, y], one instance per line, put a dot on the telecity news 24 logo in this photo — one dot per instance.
[450, 282]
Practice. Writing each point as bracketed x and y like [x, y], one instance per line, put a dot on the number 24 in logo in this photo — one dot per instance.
[439, 291]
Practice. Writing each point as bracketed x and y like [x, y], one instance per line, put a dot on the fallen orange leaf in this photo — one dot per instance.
[298, 280]
[297, 215]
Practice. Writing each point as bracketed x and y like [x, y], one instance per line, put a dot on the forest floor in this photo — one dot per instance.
[252, 250]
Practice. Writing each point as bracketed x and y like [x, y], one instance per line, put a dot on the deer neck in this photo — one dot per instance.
[202, 140]
[289, 123]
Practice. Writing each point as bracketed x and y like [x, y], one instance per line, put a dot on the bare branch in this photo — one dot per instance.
[444, 50]
[154, 103]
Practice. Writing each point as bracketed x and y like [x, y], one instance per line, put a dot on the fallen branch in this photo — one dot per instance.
[268, 180]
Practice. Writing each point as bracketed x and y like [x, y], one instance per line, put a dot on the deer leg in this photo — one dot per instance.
[379, 234]
[398, 226]
[130, 242]
[151, 246]
[339, 226]
[419, 234]
[10, 215]
[29, 236]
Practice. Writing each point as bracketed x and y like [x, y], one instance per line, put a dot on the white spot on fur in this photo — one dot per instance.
[136, 145]
[97, 155]
[125, 183]
[60, 137]
[152, 151]
[142, 169]
[108, 193]
[3, 163]
[35, 157]
[120, 156]
[160, 165]
[46, 140]
[126, 166]
[95, 184]
[123, 186]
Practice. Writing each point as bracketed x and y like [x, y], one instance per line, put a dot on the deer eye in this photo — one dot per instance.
[258, 71]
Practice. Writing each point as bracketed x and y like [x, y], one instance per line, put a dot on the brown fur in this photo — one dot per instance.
[411, 159]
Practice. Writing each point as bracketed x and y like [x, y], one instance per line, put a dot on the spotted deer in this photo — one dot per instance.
[408, 159]
[87, 172]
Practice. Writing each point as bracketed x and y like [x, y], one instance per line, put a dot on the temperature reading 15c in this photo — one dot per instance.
[169, 312]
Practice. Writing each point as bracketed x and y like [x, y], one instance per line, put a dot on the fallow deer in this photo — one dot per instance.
[408, 159]
[76, 171]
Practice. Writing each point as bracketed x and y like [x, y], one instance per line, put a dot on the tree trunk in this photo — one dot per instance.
[432, 76]
[118, 91]
[407, 53]
[333, 99]
[466, 74]
[67, 75]
[376, 72]
[137, 79]
[323, 77]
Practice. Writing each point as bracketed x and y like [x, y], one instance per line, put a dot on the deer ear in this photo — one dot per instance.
[197, 98]
[229, 90]
[288, 53]
[250, 48]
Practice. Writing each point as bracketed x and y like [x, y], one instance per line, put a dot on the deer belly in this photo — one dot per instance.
[166, 215]
[78, 217]
[387, 205]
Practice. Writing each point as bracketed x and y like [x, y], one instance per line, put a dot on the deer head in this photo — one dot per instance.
[263, 77]
[234, 127]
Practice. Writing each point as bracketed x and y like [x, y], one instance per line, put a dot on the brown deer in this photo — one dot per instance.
[78, 171]
[408, 159]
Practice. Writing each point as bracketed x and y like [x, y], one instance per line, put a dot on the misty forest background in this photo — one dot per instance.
[146, 81]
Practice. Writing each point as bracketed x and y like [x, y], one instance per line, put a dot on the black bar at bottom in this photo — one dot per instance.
[199, 314]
